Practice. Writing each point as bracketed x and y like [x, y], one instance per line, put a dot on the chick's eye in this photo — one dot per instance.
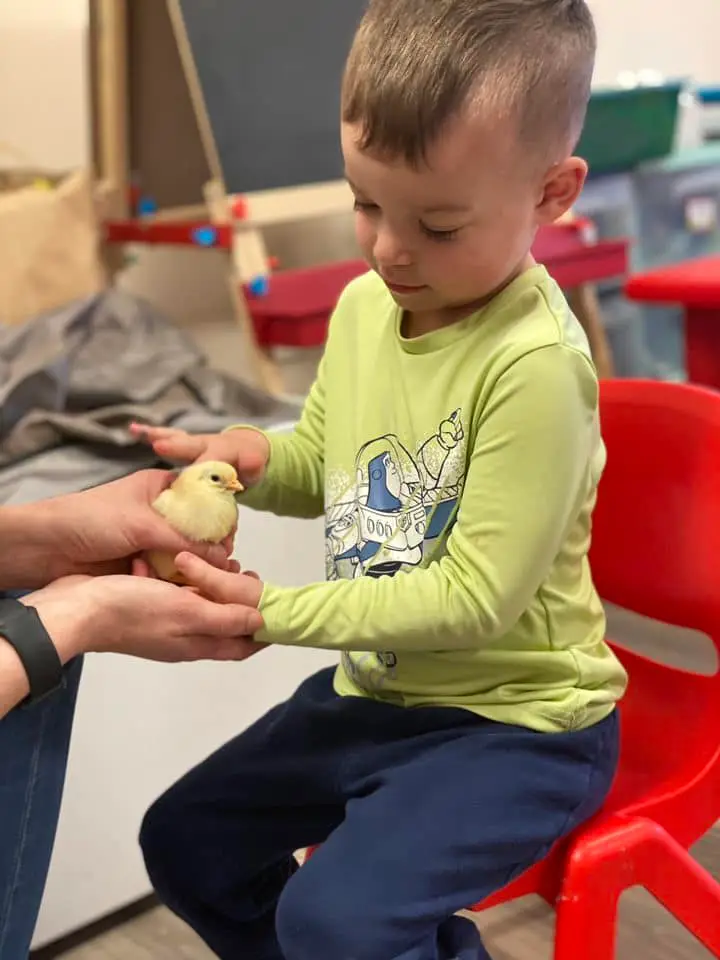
[215, 478]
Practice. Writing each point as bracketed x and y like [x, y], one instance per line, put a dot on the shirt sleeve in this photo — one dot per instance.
[294, 482]
[529, 474]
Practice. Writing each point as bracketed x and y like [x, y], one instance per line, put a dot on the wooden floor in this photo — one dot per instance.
[520, 931]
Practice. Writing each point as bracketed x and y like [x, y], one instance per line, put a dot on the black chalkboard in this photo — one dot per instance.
[270, 73]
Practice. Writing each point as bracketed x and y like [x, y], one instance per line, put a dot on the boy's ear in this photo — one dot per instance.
[561, 187]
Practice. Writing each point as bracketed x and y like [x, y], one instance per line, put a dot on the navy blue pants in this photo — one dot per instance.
[34, 744]
[421, 813]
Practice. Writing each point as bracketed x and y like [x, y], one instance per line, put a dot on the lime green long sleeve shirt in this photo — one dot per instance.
[457, 473]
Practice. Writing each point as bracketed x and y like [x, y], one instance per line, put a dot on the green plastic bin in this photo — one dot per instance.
[624, 128]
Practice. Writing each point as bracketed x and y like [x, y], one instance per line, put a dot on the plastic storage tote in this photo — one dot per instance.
[610, 203]
[624, 128]
[677, 211]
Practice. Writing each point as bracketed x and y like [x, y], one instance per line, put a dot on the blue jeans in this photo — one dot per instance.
[34, 743]
[421, 813]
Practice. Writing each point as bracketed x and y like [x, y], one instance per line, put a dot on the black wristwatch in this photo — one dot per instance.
[23, 629]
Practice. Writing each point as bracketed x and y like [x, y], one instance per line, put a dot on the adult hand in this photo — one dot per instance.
[135, 616]
[98, 531]
[246, 449]
[145, 618]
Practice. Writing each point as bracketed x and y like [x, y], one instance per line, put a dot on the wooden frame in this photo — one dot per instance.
[108, 64]
[114, 130]
[122, 134]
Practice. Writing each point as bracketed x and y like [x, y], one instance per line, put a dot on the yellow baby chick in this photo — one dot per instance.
[200, 504]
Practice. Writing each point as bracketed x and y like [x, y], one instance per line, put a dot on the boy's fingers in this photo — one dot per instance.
[225, 648]
[141, 568]
[213, 553]
[149, 433]
[219, 585]
[170, 442]
[180, 448]
[227, 620]
[229, 542]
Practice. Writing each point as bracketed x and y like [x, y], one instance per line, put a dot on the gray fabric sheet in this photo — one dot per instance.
[73, 380]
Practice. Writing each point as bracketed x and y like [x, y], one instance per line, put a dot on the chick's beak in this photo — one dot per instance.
[235, 486]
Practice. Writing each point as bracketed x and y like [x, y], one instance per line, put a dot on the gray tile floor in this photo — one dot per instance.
[519, 931]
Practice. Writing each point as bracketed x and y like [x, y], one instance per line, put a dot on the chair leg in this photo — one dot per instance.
[615, 856]
[686, 889]
[586, 920]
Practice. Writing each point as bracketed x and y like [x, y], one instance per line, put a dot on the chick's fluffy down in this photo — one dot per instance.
[200, 504]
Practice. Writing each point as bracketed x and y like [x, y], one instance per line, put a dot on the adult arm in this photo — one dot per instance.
[96, 531]
[136, 616]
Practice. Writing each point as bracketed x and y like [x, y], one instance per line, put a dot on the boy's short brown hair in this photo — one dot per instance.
[415, 64]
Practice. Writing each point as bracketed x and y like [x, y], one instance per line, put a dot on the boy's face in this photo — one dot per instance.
[456, 229]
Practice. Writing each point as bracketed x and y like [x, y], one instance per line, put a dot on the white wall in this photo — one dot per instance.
[677, 39]
[43, 104]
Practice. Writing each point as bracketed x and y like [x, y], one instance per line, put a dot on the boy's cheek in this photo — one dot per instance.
[364, 236]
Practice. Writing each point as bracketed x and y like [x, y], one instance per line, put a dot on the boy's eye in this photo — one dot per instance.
[364, 206]
[439, 235]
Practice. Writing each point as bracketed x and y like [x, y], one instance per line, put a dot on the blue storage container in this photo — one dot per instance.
[609, 202]
[677, 217]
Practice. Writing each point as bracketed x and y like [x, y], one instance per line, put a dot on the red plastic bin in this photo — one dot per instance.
[296, 310]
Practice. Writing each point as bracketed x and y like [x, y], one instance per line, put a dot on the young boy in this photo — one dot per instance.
[452, 441]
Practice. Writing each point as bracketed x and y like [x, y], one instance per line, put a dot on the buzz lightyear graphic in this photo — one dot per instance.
[398, 504]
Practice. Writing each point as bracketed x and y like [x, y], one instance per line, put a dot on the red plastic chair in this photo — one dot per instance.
[656, 551]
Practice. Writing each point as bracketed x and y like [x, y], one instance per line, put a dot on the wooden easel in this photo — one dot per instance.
[122, 134]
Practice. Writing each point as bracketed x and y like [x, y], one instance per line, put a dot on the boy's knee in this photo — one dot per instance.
[161, 837]
[317, 917]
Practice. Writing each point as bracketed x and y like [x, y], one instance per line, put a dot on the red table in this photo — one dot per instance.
[295, 311]
[695, 285]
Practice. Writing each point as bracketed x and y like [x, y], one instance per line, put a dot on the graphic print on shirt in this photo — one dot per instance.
[390, 517]
[398, 506]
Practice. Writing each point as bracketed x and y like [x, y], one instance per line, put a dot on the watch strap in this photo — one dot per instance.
[23, 629]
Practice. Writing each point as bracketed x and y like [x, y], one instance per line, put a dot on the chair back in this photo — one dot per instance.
[656, 551]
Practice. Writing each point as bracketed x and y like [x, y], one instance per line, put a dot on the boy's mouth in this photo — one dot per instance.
[403, 287]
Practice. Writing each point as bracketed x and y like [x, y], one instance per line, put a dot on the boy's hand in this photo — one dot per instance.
[247, 450]
[222, 586]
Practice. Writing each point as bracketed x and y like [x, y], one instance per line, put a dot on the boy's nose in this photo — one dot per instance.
[389, 250]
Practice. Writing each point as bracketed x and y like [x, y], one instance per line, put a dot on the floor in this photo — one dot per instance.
[520, 931]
